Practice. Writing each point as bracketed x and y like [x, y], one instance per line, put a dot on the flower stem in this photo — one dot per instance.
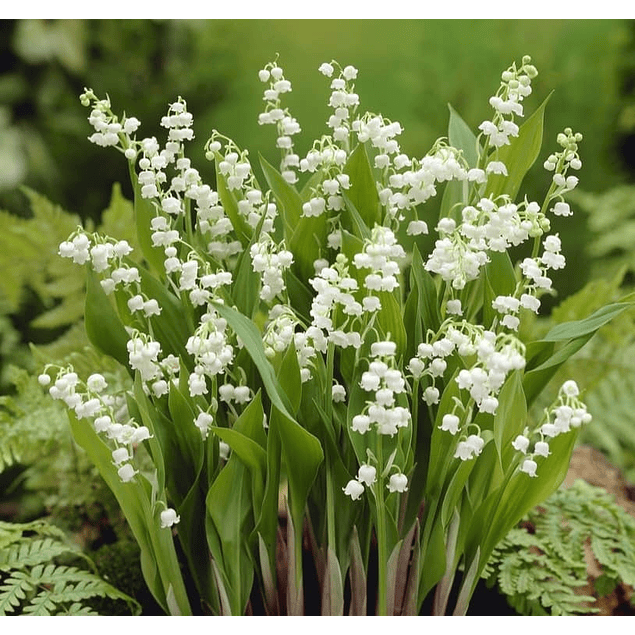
[382, 555]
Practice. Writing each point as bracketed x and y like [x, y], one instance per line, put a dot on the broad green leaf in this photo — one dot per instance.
[302, 454]
[352, 220]
[580, 328]
[390, 320]
[500, 279]
[312, 182]
[511, 414]
[115, 219]
[288, 199]
[300, 296]
[505, 507]
[103, 326]
[412, 322]
[427, 291]
[246, 282]
[229, 505]
[363, 190]
[289, 376]
[576, 334]
[138, 403]
[462, 138]
[432, 562]
[519, 155]
[352, 245]
[267, 520]
[537, 378]
[252, 340]
[454, 490]
[247, 450]
[308, 243]
[442, 444]
[233, 501]
[246, 285]
[184, 439]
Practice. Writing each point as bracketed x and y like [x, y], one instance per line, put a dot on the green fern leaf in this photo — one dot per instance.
[40, 605]
[13, 591]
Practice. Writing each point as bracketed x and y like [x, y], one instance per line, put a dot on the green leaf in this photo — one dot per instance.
[462, 138]
[363, 190]
[251, 339]
[302, 454]
[519, 155]
[352, 220]
[537, 378]
[390, 320]
[248, 451]
[288, 199]
[500, 279]
[308, 243]
[428, 300]
[511, 414]
[289, 376]
[229, 505]
[576, 334]
[103, 326]
[580, 328]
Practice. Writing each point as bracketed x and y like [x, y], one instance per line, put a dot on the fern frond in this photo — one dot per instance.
[40, 605]
[541, 572]
[13, 590]
[33, 583]
[31, 424]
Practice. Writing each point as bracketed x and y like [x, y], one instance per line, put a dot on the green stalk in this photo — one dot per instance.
[382, 551]
[328, 409]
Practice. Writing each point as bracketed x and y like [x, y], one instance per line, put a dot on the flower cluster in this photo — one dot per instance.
[286, 125]
[566, 413]
[515, 86]
[386, 382]
[270, 264]
[211, 351]
[108, 413]
[381, 255]
[335, 290]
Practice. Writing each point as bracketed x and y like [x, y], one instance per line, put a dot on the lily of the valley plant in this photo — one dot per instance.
[333, 348]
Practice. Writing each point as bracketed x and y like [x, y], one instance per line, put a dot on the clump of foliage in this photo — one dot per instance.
[540, 565]
[34, 579]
